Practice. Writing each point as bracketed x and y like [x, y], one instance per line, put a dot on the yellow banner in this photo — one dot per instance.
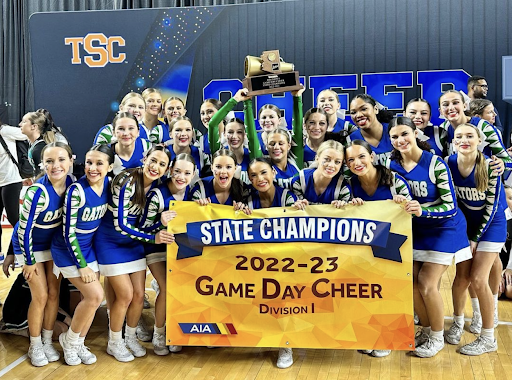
[320, 278]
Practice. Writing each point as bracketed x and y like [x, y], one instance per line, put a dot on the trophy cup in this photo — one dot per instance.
[269, 74]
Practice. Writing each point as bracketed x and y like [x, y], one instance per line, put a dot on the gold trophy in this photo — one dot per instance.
[269, 74]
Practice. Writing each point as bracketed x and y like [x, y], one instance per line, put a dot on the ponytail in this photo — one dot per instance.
[481, 174]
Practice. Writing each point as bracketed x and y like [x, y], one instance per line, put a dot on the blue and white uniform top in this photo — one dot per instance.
[40, 219]
[303, 186]
[282, 198]
[436, 137]
[83, 210]
[284, 178]
[139, 152]
[344, 125]
[436, 233]
[382, 151]
[204, 189]
[398, 186]
[106, 134]
[118, 240]
[157, 201]
[264, 150]
[309, 156]
[159, 134]
[484, 210]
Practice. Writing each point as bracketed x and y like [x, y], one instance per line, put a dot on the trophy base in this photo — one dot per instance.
[272, 83]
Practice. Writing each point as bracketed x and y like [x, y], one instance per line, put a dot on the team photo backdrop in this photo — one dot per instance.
[321, 278]
[85, 62]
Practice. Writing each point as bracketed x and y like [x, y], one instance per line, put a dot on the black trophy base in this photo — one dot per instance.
[272, 83]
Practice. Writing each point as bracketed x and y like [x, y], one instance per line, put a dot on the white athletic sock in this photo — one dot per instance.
[488, 333]
[115, 335]
[47, 335]
[81, 340]
[475, 304]
[72, 337]
[437, 334]
[459, 319]
[159, 330]
[495, 296]
[130, 331]
[36, 341]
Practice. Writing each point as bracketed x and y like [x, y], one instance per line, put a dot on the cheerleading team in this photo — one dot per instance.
[41, 218]
[72, 249]
[118, 228]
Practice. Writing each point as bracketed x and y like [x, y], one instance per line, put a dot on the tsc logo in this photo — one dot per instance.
[99, 49]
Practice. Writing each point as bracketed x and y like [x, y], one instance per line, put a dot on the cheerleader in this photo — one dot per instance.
[315, 124]
[172, 108]
[329, 101]
[222, 188]
[120, 252]
[129, 149]
[40, 218]
[280, 144]
[156, 216]
[436, 228]
[451, 106]
[264, 193]
[323, 184]
[371, 119]
[478, 192]
[85, 204]
[157, 130]
[209, 108]
[132, 103]
[182, 133]
[373, 183]
[419, 111]
[484, 109]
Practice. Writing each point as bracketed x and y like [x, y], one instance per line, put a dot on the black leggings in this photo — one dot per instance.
[10, 200]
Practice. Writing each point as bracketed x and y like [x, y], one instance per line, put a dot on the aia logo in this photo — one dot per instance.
[99, 49]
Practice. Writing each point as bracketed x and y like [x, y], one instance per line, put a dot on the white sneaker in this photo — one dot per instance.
[155, 287]
[117, 348]
[380, 353]
[159, 346]
[285, 358]
[132, 343]
[479, 346]
[86, 356]
[142, 331]
[365, 351]
[37, 356]
[175, 349]
[70, 352]
[420, 338]
[476, 323]
[430, 348]
[51, 353]
[454, 334]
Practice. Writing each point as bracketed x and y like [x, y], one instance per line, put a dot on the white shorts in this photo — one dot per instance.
[40, 256]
